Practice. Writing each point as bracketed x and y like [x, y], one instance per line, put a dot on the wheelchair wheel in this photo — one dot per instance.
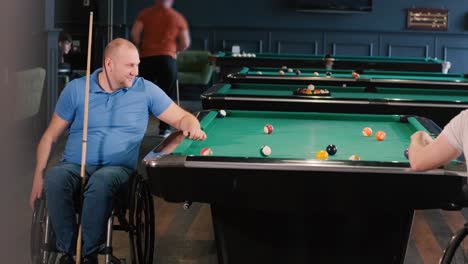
[40, 253]
[454, 253]
[141, 221]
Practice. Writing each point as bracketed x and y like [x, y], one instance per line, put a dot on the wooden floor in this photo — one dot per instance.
[186, 236]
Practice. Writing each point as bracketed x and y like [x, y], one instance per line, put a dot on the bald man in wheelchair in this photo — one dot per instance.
[120, 103]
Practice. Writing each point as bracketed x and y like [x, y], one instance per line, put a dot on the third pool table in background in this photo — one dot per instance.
[367, 78]
[226, 62]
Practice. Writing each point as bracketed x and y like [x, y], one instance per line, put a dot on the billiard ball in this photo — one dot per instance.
[281, 72]
[355, 75]
[222, 113]
[284, 67]
[354, 157]
[331, 149]
[265, 151]
[316, 74]
[367, 131]
[380, 135]
[259, 73]
[298, 72]
[310, 87]
[206, 152]
[406, 153]
[268, 129]
[290, 70]
[328, 74]
[321, 155]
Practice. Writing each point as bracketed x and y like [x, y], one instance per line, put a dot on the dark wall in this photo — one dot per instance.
[386, 15]
[272, 26]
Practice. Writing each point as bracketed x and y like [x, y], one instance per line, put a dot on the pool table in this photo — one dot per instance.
[292, 208]
[437, 104]
[370, 79]
[226, 63]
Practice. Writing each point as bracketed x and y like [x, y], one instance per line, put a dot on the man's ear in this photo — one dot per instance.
[108, 64]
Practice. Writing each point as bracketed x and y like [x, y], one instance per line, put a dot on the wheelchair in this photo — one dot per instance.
[135, 215]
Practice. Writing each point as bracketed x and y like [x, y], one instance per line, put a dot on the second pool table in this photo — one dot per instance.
[438, 105]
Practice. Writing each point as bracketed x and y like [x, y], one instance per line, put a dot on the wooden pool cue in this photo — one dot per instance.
[85, 135]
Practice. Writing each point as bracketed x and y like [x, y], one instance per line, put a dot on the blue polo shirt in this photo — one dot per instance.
[116, 121]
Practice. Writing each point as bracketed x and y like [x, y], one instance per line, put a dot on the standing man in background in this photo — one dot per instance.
[160, 32]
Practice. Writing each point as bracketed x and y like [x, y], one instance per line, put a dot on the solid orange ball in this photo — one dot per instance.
[380, 135]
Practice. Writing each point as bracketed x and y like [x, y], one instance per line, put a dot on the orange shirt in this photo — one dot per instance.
[161, 27]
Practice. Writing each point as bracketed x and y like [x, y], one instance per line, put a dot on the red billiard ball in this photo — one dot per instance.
[268, 129]
[206, 152]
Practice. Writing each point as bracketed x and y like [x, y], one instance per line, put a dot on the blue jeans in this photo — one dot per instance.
[62, 185]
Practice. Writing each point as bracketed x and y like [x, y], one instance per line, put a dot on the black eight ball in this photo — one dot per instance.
[331, 149]
[328, 73]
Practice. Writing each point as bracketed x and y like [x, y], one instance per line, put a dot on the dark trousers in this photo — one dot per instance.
[62, 183]
[161, 70]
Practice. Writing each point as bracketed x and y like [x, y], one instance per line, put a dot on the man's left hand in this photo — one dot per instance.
[195, 133]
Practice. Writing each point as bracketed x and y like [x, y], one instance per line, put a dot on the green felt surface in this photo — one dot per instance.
[337, 58]
[300, 135]
[440, 77]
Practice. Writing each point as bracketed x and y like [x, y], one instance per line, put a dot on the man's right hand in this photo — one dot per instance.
[36, 191]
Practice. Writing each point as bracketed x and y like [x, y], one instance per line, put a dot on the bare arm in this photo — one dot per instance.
[56, 127]
[183, 40]
[136, 31]
[426, 153]
[182, 120]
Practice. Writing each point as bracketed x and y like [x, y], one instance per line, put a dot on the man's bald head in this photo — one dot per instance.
[120, 63]
[116, 46]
